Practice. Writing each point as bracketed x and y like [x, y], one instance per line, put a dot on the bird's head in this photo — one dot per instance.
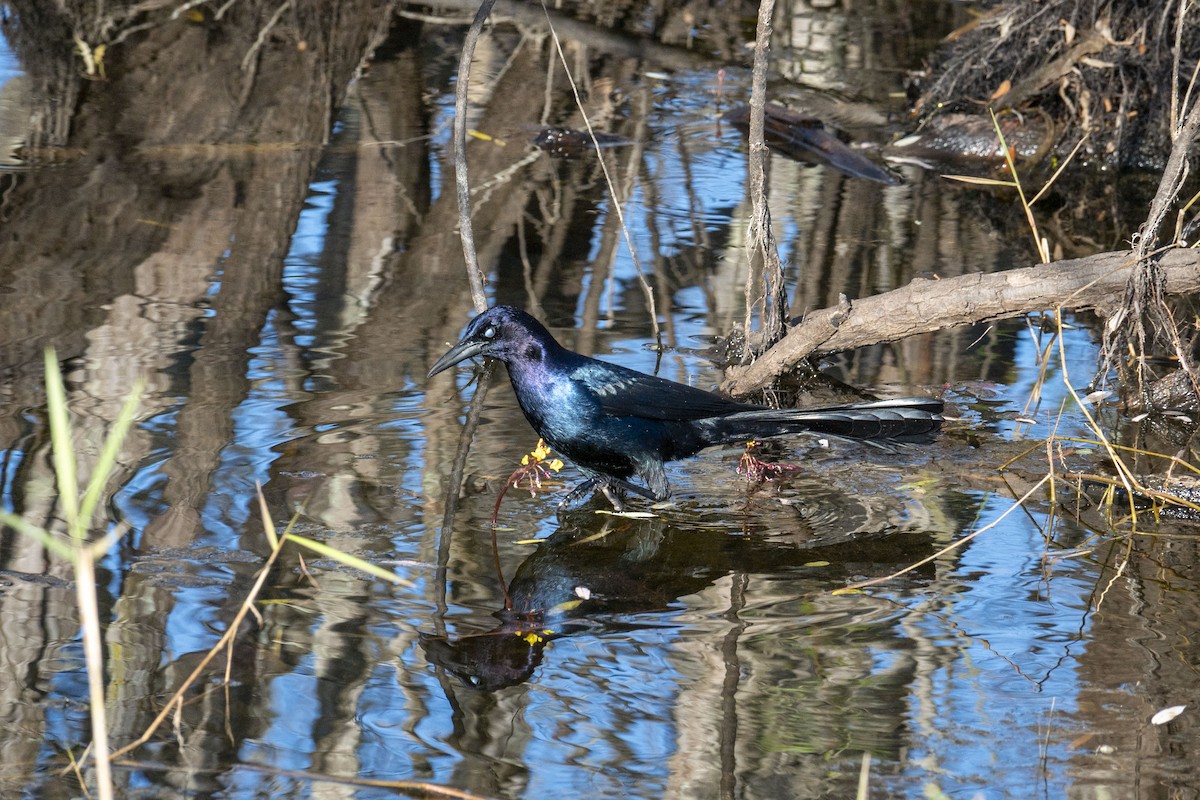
[501, 332]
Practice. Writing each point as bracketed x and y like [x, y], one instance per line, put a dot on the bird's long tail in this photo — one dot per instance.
[910, 419]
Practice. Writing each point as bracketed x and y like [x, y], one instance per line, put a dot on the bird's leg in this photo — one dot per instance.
[610, 488]
[580, 492]
[655, 476]
[614, 498]
[628, 486]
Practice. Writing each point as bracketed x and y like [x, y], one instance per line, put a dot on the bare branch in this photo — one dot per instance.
[929, 305]
[474, 275]
[761, 247]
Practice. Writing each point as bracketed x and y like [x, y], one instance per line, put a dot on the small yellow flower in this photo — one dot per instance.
[539, 455]
[533, 470]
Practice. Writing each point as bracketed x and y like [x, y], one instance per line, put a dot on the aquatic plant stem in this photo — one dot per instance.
[93, 654]
[864, 778]
[84, 567]
[78, 516]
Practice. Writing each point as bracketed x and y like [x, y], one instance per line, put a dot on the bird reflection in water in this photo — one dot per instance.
[581, 579]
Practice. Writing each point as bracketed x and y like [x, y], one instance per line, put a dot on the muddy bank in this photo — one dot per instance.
[1113, 72]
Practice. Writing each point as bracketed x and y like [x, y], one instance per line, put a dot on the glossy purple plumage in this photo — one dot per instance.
[616, 424]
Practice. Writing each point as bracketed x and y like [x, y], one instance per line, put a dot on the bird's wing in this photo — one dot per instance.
[625, 393]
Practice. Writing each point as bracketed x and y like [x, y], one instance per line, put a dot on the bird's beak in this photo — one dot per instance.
[460, 352]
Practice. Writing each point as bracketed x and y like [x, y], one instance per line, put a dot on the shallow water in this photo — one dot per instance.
[699, 653]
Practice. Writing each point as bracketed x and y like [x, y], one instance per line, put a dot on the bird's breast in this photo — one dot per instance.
[554, 405]
[572, 421]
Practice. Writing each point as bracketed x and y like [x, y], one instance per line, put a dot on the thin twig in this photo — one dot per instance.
[953, 545]
[176, 699]
[262, 34]
[1066, 161]
[1176, 53]
[76, 769]
[445, 535]
[612, 191]
[474, 414]
[465, 229]
[1123, 471]
[406, 788]
[1144, 296]
[1116, 575]
[1172, 179]
[221, 11]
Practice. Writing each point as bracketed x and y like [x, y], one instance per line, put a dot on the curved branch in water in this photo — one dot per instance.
[1095, 282]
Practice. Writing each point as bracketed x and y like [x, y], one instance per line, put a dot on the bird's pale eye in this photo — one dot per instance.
[489, 332]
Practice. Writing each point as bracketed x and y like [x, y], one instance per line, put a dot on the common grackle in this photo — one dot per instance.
[615, 423]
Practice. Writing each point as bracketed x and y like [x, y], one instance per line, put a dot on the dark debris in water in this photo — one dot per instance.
[568, 143]
[805, 138]
[10, 576]
[1159, 495]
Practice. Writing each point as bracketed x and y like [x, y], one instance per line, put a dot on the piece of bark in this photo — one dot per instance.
[1095, 282]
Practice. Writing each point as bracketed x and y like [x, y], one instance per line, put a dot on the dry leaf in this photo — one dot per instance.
[1166, 715]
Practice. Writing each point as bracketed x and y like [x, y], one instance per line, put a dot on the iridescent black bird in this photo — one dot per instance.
[615, 423]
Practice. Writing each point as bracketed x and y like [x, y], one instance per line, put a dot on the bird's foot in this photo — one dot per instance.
[614, 488]
[609, 492]
[613, 492]
[611, 488]
[577, 496]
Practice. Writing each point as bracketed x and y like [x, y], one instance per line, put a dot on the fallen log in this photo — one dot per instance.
[1093, 283]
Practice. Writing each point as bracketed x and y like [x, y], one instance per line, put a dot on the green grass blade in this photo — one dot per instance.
[47, 539]
[60, 442]
[267, 523]
[108, 456]
[348, 560]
